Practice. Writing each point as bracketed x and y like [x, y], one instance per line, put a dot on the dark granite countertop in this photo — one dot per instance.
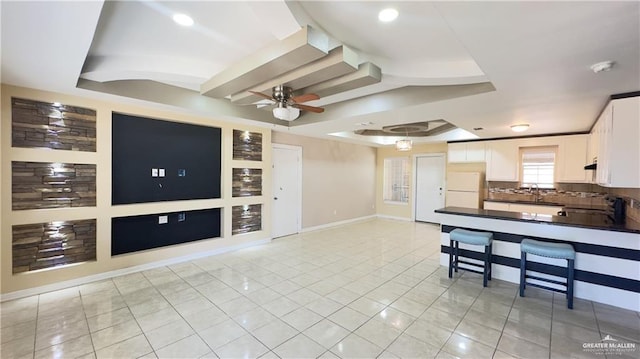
[590, 221]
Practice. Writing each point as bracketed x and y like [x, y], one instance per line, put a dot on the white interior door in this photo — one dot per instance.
[429, 187]
[287, 190]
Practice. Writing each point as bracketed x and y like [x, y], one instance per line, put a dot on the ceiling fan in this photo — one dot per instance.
[287, 106]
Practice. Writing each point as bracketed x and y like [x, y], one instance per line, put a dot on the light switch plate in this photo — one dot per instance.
[154, 172]
[161, 172]
[163, 219]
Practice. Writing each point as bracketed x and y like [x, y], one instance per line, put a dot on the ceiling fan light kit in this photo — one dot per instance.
[286, 113]
[288, 106]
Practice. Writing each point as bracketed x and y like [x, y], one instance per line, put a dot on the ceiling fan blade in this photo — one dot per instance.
[305, 98]
[261, 95]
[308, 108]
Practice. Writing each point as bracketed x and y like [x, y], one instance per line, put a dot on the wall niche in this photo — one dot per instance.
[247, 145]
[36, 124]
[52, 244]
[37, 185]
[247, 182]
[246, 218]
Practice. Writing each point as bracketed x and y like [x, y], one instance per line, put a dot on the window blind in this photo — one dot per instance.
[538, 166]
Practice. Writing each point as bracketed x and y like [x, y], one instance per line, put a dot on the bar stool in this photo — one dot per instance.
[485, 239]
[549, 250]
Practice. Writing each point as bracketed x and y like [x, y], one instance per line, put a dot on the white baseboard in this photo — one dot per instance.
[384, 216]
[118, 272]
[339, 223]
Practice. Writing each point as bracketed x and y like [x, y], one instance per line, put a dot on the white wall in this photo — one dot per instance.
[338, 179]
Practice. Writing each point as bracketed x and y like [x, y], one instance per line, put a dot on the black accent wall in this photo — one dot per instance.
[155, 160]
[137, 233]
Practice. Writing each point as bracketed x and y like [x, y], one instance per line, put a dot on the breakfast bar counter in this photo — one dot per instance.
[607, 254]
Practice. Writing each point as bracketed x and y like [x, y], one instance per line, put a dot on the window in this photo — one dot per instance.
[396, 180]
[538, 166]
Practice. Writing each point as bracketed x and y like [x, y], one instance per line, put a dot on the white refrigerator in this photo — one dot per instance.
[464, 189]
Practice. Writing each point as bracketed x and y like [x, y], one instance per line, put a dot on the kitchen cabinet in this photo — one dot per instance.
[522, 208]
[457, 152]
[572, 157]
[502, 160]
[466, 152]
[617, 131]
[496, 206]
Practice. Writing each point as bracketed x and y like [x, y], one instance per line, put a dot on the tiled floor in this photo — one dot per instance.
[367, 290]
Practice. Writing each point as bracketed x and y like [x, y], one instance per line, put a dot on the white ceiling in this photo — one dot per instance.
[536, 55]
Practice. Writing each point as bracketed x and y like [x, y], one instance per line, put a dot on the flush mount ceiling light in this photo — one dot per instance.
[387, 15]
[183, 19]
[602, 66]
[404, 145]
[520, 128]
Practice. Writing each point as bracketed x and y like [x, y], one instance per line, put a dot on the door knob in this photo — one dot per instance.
[275, 198]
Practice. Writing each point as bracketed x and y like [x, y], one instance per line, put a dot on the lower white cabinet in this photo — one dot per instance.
[523, 208]
[496, 206]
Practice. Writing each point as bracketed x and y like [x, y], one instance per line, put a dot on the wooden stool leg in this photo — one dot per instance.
[523, 270]
[450, 258]
[570, 265]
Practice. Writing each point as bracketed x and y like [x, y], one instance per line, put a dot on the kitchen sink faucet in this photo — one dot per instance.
[537, 197]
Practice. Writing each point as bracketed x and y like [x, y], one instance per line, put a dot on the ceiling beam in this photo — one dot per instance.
[340, 61]
[299, 49]
[367, 74]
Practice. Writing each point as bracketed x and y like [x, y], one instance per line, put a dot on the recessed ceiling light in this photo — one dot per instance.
[388, 15]
[183, 19]
[520, 128]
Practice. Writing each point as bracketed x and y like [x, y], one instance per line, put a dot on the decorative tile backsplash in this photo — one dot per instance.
[581, 195]
[38, 124]
[52, 244]
[246, 218]
[37, 185]
[247, 182]
[247, 145]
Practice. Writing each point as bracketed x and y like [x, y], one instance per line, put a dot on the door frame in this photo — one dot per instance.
[415, 178]
[298, 150]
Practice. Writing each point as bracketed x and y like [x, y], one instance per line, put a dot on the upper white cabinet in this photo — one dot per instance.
[617, 131]
[502, 160]
[572, 157]
[466, 152]
[457, 152]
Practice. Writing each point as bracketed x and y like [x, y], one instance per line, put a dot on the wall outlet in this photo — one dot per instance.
[182, 173]
[161, 172]
[163, 219]
[182, 217]
[154, 172]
